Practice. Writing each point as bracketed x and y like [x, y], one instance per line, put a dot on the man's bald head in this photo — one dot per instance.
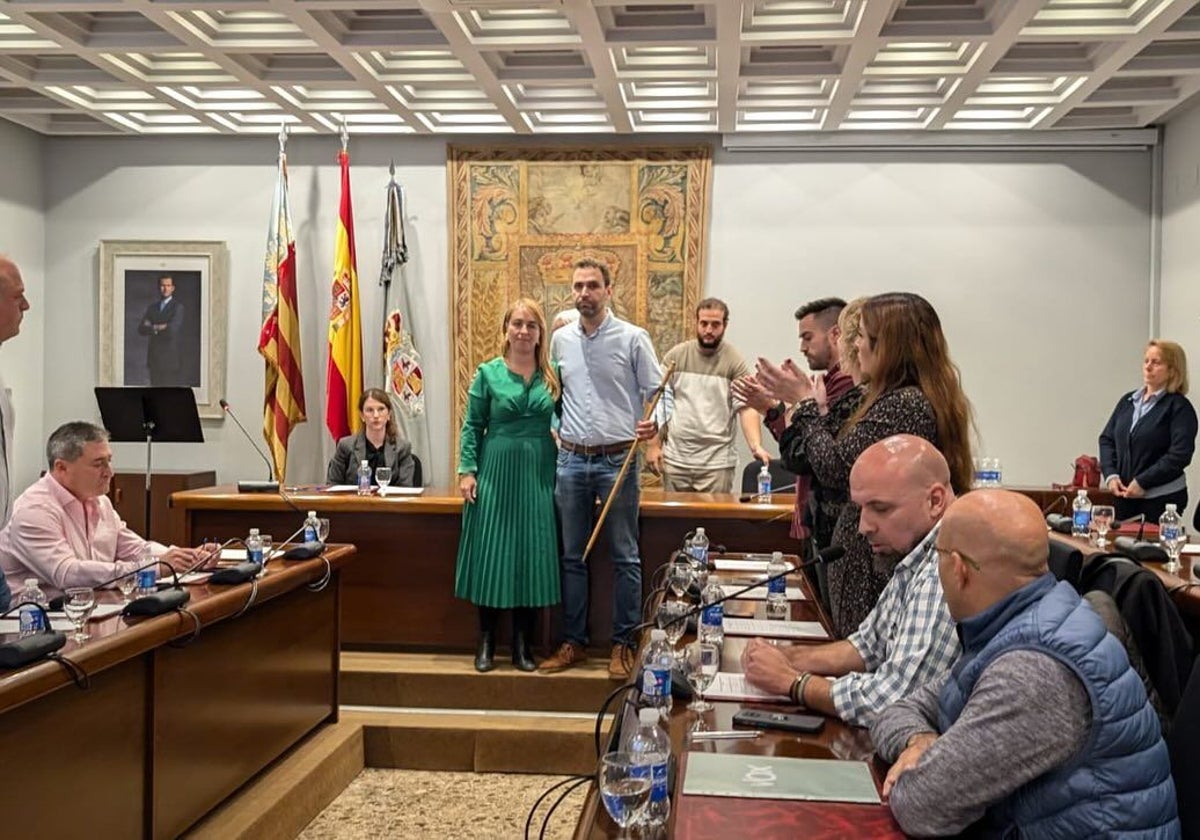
[992, 543]
[902, 485]
[12, 299]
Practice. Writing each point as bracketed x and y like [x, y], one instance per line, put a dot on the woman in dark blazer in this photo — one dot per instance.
[378, 443]
[1150, 437]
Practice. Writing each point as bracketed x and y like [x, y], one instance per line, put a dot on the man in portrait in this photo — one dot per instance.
[163, 323]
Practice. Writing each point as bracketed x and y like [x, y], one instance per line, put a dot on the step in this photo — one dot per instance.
[481, 741]
[450, 681]
[289, 794]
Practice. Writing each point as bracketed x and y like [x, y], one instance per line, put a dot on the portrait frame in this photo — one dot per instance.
[129, 272]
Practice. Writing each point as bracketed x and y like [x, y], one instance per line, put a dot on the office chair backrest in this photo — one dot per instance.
[780, 477]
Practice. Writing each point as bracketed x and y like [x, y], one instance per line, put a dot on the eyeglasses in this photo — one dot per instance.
[970, 561]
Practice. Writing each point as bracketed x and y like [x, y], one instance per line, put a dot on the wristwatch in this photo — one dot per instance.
[775, 412]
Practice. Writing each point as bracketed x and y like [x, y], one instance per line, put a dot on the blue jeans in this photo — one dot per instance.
[582, 481]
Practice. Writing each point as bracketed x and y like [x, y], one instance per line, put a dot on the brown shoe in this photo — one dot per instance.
[567, 656]
[620, 662]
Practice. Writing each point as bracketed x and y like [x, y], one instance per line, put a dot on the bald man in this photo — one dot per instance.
[1041, 729]
[13, 306]
[902, 484]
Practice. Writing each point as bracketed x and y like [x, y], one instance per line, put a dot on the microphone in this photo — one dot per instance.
[268, 486]
[746, 497]
[1060, 500]
[1059, 523]
[1141, 550]
[20, 652]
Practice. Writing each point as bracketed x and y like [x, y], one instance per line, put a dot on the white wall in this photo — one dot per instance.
[22, 238]
[1180, 300]
[1031, 259]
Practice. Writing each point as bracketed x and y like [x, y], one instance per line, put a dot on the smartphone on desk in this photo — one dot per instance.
[763, 719]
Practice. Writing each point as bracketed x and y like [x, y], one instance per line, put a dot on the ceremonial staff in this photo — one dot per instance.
[649, 413]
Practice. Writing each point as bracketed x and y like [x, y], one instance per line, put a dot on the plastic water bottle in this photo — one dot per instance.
[1171, 535]
[698, 548]
[312, 527]
[657, 660]
[254, 547]
[30, 618]
[364, 478]
[712, 617]
[778, 607]
[996, 474]
[764, 485]
[652, 750]
[147, 576]
[1081, 516]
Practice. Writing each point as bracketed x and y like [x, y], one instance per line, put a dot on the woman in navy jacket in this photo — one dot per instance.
[1150, 437]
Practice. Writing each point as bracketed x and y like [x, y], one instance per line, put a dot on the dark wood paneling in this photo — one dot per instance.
[167, 525]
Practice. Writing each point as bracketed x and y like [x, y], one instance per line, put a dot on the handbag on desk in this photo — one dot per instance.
[1087, 474]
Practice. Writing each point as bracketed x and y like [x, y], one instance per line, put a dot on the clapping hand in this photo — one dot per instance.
[752, 393]
[818, 393]
[785, 382]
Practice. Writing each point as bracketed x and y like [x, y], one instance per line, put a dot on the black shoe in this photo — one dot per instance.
[485, 654]
[522, 656]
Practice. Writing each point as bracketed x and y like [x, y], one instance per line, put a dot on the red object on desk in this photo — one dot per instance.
[1131, 529]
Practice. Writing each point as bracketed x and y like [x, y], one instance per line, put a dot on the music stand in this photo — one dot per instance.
[163, 415]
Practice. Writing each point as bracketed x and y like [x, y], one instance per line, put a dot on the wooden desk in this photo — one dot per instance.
[166, 733]
[707, 816]
[400, 589]
[1044, 497]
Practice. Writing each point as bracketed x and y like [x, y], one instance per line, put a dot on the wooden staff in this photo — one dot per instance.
[648, 414]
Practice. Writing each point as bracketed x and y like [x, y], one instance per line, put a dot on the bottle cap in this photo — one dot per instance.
[658, 635]
[648, 715]
[364, 463]
[1171, 507]
[699, 532]
[1081, 493]
[254, 532]
[313, 514]
[776, 555]
[31, 581]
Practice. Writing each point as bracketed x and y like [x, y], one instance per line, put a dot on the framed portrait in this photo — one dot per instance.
[163, 316]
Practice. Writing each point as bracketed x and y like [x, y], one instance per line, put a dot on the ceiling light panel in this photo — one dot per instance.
[1095, 18]
[635, 23]
[533, 26]
[414, 65]
[799, 20]
[915, 57]
[232, 30]
[388, 28]
[665, 62]
[106, 30]
[546, 65]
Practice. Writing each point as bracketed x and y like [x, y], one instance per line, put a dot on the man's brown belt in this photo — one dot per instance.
[602, 449]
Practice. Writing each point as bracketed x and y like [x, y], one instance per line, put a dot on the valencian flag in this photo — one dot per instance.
[403, 376]
[279, 338]
[344, 377]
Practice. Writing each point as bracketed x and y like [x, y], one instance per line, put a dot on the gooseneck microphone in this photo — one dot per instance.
[268, 486]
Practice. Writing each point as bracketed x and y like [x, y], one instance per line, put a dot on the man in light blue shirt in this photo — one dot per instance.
[608, 368]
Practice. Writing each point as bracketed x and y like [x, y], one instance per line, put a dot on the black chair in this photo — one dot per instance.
[417, 476]
[1066, 562]
[780, 477]
[1182, 742]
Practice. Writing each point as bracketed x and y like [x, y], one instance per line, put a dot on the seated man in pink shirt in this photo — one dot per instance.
[63, 529]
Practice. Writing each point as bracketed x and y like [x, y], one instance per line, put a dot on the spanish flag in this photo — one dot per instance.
[344, 377]
[279, 337]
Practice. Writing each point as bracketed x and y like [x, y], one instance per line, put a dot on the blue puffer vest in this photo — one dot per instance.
[1119, 784]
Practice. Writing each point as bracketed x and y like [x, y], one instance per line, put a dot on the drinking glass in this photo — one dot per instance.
[126, 584]
[679, 576]
[701, 660]
[1174, 548]
[383, 477]
[78, 603]
[268, 545]
[624, 792]
[671, 618]
[1102, 517]
[322, 529]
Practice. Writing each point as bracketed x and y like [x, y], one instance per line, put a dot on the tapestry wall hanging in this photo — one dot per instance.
[520, 218]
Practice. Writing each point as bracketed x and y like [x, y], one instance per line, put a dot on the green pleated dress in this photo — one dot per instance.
[508, 551]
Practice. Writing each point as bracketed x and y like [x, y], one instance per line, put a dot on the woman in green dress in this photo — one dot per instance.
[508, 552]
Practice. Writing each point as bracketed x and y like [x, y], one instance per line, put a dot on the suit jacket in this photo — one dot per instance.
[1157, 450]
[352, 451]
[163, 350]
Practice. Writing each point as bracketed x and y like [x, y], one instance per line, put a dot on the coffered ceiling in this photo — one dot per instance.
[578, 66]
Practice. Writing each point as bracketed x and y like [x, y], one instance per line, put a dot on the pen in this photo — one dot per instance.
[727, 734]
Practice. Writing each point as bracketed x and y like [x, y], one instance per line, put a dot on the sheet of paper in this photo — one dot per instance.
[759, 593]
[773, 777]
[773, 629]
[342, 488]
[237, 554]
[1191, 548]
[729, 686]
[194, 577]
[732, 564]
[403, 491]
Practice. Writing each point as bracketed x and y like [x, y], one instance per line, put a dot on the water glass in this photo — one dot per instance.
[126, 584]
[78, 604]
[268, 545]
[383, 477]
[623, 790]
[322, 529]
[679, 576]
[701, 661]
[671, 617]
[1174, 548]
[1102, 517]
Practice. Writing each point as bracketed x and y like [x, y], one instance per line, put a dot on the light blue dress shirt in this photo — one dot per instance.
[606, 378]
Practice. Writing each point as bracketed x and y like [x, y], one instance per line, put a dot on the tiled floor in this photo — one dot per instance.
[417, 804]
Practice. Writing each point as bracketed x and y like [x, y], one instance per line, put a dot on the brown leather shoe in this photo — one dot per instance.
[620, 662]
[567, 656]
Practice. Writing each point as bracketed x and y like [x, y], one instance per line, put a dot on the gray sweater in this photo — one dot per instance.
[1027, 714]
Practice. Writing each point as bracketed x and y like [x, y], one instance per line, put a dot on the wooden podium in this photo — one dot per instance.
[168, 525]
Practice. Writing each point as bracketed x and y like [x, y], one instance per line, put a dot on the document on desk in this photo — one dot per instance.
[759, 593]
[771, 777]
[773, 629]
[730, 686]
[747, 564]
[57, 622]
[391, 491]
